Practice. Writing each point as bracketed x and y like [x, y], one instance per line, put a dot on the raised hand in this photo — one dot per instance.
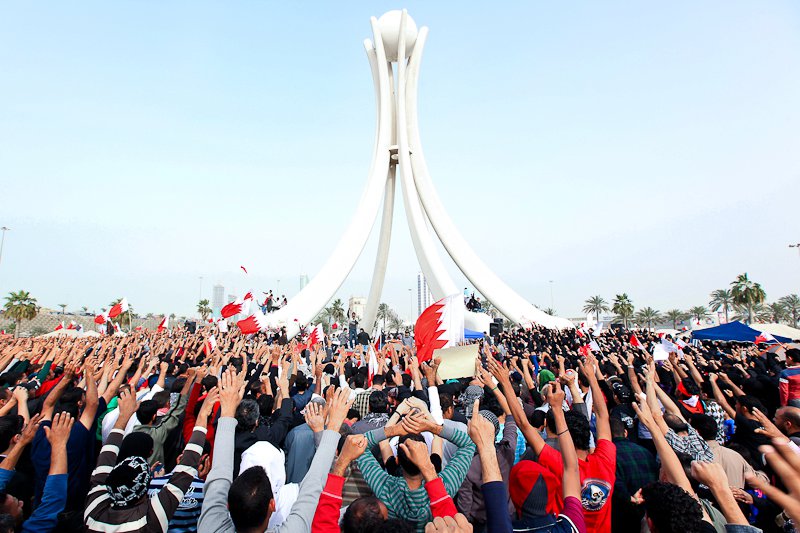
[30, 429]
[315, 417]
[555, 396]
[208, 404]
[354, 446]
[480, 430]
[340, 404]
[767, 427]
[58, 432]
[417, 453]
[449, 524]
[126, 404]
[231, 393]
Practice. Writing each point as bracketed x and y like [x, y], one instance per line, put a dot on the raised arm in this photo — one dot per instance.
[589, 368]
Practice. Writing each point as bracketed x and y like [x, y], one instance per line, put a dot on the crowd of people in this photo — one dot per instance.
[563, 431]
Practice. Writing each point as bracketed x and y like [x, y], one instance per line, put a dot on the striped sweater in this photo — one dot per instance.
[153, 513]
[400, 500]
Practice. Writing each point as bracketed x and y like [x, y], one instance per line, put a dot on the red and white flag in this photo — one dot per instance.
[585, 350]
[210, 345]
[635, 341]
[102, 318]
[138, 328]
[335, 325]
[372, 366]
[680, 343]
[254, 323]
[117, 329]
[222, 325]
[119, 308]
[72, 325]
[439, 326]
[164, 323]
[240, 306]
[59, 326]
[316, 336]
[594, 346]
[764, 337]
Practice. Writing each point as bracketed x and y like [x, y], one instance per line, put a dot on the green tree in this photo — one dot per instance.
[20, 306]
[63, 308]
[550, 311]
[596, 305]
[489, 308]
[337, 311]
[395, 322]
[721, 299]
[204, 309]
[623, 307]
[774, 312]
[647, 315]
[85, 310]
[698, 312]
[747, 294]
[791, 304]
[675, 316]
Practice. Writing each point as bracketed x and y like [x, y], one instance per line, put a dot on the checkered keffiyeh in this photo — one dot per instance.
[128, 481]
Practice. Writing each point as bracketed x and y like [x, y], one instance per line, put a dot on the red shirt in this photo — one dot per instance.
[598, 473]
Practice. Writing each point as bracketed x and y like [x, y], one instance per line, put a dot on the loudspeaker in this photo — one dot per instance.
[499, 321]
[495, 328]
[191, 326]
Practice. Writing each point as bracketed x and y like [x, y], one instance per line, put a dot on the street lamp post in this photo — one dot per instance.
[2, 241]
[201, 289]
[552, 301]
[790, 246]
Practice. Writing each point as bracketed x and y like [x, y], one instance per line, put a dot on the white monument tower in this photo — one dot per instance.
[395, 57]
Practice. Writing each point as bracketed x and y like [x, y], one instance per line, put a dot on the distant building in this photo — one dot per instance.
[217, 299]
[231, 298]
[424, 296]
[357, 305]
[303, 281]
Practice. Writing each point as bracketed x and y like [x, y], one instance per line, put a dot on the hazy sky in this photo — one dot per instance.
[610, 147]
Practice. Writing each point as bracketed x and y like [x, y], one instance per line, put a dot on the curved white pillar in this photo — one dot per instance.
[382, 257]
[501, 295]
[438, 280]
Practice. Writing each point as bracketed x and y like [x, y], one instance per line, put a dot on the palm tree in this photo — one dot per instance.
[675, 315]
[172, 316]
[623, 307]
[20, 306]
[550, 311]
[721, 298]
[337, 311]
[204, 309]
[489, 308]
[777, 313]
[647, 315]
[384, 312]
[596, 305]
[747, 294]
[791, 304]
[699, 312]
[85, 310]
[395, 322]
[63, 308]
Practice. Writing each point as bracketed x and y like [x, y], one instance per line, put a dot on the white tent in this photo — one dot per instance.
[782, 330]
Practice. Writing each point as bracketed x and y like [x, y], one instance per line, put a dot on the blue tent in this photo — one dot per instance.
[732, 331]
[469, 334]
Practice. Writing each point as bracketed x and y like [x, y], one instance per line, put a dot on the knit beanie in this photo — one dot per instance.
[545, 377]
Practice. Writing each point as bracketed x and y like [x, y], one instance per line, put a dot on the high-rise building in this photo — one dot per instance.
[231, 298]
[303, 281]
[424, 296]
[217, 299]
